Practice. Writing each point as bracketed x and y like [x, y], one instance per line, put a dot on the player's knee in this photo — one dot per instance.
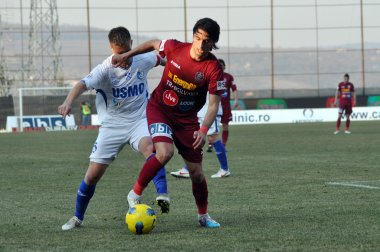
[164, 155]
[94, 173]
[213, 138]
[196, 177]
[146, 146]
[91, 179]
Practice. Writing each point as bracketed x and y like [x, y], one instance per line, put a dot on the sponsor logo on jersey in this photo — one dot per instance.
[179, 90]
[175, 64]
[130, 91]
[170, 98]
[128, 75]
[140, 75]
[221, 85]
[160, 129]
[182, 83]
[199, 76]
[186, 105]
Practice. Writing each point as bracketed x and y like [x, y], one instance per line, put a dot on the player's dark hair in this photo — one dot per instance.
[346, 75]
[211, 27]
[221, 61]
[119, 36]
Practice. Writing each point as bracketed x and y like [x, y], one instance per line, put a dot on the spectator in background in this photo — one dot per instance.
[85, 108]
[347, 99]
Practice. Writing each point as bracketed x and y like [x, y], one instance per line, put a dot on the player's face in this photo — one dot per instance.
[116, 49]
[345, 79]
[202, 44]
[222, 66]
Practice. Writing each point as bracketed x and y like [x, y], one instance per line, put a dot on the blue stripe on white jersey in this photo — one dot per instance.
[101, 92]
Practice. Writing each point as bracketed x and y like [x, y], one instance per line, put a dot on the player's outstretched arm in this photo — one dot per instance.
[77, 90]
[210, 116]
[148, 46]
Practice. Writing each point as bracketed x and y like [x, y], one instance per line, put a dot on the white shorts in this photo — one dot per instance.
[214, 128]
[111, 140]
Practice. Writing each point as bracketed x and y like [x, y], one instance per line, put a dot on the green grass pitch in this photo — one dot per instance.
[277, 198]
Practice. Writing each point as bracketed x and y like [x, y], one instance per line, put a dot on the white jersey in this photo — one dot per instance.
[121, 94]
[202, 112]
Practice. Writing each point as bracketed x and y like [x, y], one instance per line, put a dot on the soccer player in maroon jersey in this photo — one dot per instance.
[347, 99]
[226, 106]
[225, 101]
[191, 70]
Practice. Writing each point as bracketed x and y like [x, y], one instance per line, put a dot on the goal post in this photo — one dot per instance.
[38, 107]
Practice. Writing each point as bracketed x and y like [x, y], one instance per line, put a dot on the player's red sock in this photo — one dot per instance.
[200, 193]
[147, 173]
[348, 124]
[338, 124]
[224, 137]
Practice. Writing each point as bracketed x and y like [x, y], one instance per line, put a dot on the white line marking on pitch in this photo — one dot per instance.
[363, 181]
[353, 185]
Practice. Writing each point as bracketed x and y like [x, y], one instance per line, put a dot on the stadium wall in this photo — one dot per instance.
[39, 105]
[307, 102]
[48, 105]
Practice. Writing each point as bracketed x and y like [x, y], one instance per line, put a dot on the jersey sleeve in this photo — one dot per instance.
[152, 60]
[217, 84]
[166, 46]
[352, 88]
[95, 79]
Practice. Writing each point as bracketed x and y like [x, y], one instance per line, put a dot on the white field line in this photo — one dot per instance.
[362, 181]
[354, 184]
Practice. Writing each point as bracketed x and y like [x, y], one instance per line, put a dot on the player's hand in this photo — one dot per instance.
[64, 110]
[118, 60]
[235, 105]
[200, 139]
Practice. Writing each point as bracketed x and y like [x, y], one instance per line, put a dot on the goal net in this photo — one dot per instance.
[37, 108]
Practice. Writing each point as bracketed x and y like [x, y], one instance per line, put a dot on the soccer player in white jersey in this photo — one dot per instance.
[121, 99]
[213, 139]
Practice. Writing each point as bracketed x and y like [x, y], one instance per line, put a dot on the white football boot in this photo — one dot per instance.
[347, 132]
[336, 132]
[221, 174]
[72, 223]
[133, 199]
[181, 173]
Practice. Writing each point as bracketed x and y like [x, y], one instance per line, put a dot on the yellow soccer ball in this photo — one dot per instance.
[140, 219]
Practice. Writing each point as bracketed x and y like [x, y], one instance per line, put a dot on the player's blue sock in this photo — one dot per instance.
[84, 194]
[185, 167]
[221, 154]
[160, 179]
